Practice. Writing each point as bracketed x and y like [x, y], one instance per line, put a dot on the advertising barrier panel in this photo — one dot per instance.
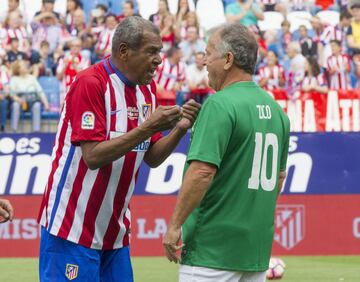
[318, 211]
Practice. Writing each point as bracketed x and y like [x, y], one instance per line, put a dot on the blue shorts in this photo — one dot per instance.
[62, 260]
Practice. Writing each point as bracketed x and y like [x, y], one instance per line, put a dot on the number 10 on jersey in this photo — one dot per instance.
[260, 162]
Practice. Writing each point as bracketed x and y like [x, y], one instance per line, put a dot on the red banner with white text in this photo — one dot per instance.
[314, 112]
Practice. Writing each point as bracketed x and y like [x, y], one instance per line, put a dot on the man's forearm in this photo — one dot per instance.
[99, 154]
[163, 148]
[196, 183]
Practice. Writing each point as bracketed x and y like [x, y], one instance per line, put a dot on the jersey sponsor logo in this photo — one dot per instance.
[142, 147]
[264, 111]
[146, 110]
[71, 271]
[133, 113]
[289, 225]
[88, 120]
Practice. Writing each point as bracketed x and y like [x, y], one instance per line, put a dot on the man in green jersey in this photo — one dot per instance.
[234, 171]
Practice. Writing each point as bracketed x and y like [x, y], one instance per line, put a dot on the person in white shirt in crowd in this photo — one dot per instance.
[272, 74]
[191, 45]
[297, 68]
[338, 67]
[71, 7]
[314, 80]
[27, 95]
[197, 80]
[191, 19]
[70, 65]
[45, 27]
[4, 93]
[13, 5]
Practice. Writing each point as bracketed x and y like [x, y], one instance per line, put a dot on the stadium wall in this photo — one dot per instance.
[317, 214]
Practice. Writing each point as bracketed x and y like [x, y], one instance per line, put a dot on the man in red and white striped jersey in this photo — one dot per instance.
[338, 67]
[109, 124]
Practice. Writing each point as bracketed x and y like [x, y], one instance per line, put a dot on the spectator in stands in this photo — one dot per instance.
[197, 80]
[48, 7]
[272, 74]
[337, 32]
[308, 46]
[97, 19]
[128, 10]
[14, 54]
[78, 28]
[353, 37]
[191, 19]
[15, 28]
[104, 41]
[70, 65]
[298, 5]
[262, 51]
[4, 93]
[192, 45]
[296, 72]
[163, 10]
[26, 94]
[272, 5]
[284, 38]
[318, 28]
[45, 27]
[338, 67]
[246, 12]
[71, 7]
[13, 5]
[314, 80]
[170, 76]
[167, 32]
[182, 10]
[45, 66]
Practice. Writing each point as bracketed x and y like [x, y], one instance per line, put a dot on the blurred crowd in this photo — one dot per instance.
[40, 56]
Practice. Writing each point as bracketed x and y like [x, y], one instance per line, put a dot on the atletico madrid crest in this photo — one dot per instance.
[71, 271]
[146, 110]
[289, 225]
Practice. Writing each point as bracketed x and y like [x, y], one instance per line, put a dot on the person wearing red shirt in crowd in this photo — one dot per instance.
[338, 67]
[110, 122]
[272, 75]
[70, 65]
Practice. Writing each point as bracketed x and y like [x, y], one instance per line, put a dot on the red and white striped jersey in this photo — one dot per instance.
[21, 34]
[167, 74]
[274, 74]
[340, 79]
[91, 207]
[105, 40]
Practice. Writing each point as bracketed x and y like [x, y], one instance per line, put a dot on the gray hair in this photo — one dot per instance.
[131, 31]
[238, 40]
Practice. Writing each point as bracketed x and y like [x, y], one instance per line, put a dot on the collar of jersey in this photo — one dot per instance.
[120, 75]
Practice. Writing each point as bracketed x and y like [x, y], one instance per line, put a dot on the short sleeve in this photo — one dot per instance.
[284, 153]
[88, 113]
[211, 134]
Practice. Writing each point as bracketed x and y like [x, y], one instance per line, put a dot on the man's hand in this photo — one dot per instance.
[6, 211]
[190, 111]
[164, 117]
[170, 243]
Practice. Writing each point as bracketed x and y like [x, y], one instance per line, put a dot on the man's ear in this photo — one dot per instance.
[123, 51]
[229, 60]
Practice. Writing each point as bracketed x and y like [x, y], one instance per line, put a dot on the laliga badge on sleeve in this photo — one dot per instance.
[88, 120]
[146, 110]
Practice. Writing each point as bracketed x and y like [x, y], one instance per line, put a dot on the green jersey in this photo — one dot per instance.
[245, 134]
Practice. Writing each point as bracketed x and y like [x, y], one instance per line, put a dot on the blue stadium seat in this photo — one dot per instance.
[51, 87]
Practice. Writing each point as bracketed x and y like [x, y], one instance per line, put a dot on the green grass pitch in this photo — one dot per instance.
[158, 269]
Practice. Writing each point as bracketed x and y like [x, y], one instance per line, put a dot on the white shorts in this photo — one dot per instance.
[204, 274]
